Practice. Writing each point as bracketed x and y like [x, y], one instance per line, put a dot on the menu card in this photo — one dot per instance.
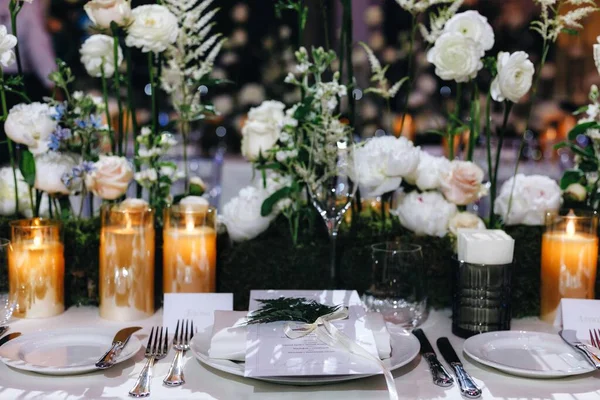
[580, 315]
[269, 352]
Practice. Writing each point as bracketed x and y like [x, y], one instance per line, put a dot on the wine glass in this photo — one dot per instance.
[332, 193]
[7, 302]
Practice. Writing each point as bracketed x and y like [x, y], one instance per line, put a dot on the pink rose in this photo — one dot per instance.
[462, 184]
[103, 12]
[110, 177]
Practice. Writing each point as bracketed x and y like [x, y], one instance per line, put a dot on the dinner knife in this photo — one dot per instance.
[8, 337]
[468, 388]
[119, 342]
[438, 372]
[570, 336]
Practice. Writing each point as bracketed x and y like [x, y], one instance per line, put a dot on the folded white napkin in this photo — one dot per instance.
[228, 341]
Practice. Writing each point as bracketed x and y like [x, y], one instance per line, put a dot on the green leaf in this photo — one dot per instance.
[267, 205]
[587, 153]
[581, 110]
[571, 176]
[569, 31]
[582, 129]
[27, 167]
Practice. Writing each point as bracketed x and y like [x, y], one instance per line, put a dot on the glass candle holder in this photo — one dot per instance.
[569, 260]
[36, 268]
[190, 249]
[127, 261]
[481, 298]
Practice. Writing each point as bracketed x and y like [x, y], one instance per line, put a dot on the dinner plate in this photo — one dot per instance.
[63, 351]
[528, 354]
[405, 347]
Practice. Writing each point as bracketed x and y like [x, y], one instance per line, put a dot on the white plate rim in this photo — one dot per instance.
[473, 343]
[133, 346]
[223, 365]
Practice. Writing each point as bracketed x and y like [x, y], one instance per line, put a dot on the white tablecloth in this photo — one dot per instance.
[413, 381]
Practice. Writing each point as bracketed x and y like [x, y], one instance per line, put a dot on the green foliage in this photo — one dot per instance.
[297, 309]
[27, 167]
[571, 176]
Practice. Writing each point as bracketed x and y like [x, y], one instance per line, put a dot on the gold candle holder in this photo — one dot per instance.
[127, 261]
[569, 260]
[36, 268]
[190, 249]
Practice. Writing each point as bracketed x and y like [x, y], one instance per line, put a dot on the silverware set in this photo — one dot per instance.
[570, 336]
[157, 349]
[440, 375]
[595, 338]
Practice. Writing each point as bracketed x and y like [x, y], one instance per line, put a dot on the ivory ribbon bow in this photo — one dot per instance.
[333, 337]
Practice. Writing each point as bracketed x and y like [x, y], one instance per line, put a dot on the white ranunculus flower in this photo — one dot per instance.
[7, 193]
[97, 52]
[103, 12]
[242, 216]
[7, 44]
[430, 171]
[262, 129]
[31, 125]
[426, 213]
[515, 75]
[50, 168]
[465, 220]
[473, 25]
[382, 162]
[154, 28]
[110, 177]
[533, 196]
[456, 57]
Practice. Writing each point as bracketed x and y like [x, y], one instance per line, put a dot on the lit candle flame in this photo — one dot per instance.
[189, 223]
[570, 228]
[127, 221]
[37, 239]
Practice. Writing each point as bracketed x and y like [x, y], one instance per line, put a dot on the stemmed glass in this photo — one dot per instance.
[7, 302]
[332, 193]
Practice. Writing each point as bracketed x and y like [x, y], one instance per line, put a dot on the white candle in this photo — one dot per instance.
[490, 247]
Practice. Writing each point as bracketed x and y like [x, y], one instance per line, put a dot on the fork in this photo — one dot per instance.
[595, 338]
[181, 344]
[156, 349]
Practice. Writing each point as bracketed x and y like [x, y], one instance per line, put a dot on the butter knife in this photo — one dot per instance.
[570, 336]
[438, 372]
[468, 388]
[119, 342]
[8, 337]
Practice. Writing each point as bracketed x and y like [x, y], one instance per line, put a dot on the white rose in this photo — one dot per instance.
[262, 129]
[154, 28]
[103, 12]
[7, 44]
[462, 184]
[31, 125]
[533, 197]
[110, 177]
[474, 26]
[381, 164]
[465, 220]
[456, 57]
[242, 216]
[430, 171]
[98, 52]
[515, 75]
[425, 213]
[7, 193]
[50, 168]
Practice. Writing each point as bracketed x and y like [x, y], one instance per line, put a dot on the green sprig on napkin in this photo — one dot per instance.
[297, 309]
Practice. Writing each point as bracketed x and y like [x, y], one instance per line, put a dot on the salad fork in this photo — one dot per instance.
[156, 349]
[181, 344]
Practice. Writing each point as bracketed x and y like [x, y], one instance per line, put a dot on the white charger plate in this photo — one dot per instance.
[64, 351]
[527, 354]
[405, 347]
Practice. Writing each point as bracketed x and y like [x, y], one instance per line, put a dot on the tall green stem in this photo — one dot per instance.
[325, 17]
[409, 71]
[9, 142]
[185, 132]
[474, 124]
[488, 133]
[106, 110]
[494, 179]
[132, 113]
[451, 133]
[347, 27]
[15, 8]
[117, 80]
[153, 89]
